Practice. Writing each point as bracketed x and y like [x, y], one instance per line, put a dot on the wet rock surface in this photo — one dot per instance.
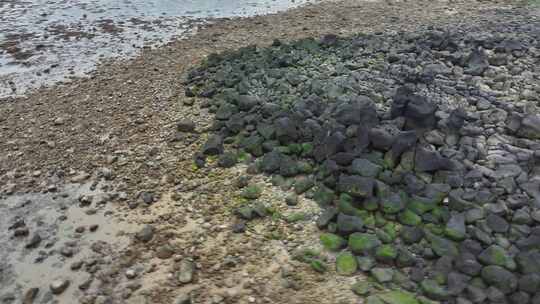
[421, 146]
[56, 260]
[44, 43]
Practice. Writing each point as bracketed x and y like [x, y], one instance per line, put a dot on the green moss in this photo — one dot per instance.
[307, 149]
[421, 205]
[296, 217]
[369, 220]
[306, 255]
[345, 205]
[410, 218]
[318, 265]
[361, 288]
[242, 156]
[275, 235]
[304, 167]
[370, 205]
[435, 229]
[324, 196]
[388, 161]
[251, 192]
[441, 214]
[386, 253]
[332, 242]
[392, 229]
[398, 297]
[379, 219]
[361, 243]
[346, 264]
[295, 149]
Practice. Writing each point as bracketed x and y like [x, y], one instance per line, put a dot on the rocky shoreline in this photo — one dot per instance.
[421, 148]
[189, 228]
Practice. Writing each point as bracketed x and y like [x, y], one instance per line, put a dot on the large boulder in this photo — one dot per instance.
[418, 111]
[357, 111]
[213, 146]
[328, 146]
[500, 278]
[364, 167]
[285, 129]
[528, 261]
[530, 126]
[429, 161]
[347, 224]
[477, 62]
[355, 185]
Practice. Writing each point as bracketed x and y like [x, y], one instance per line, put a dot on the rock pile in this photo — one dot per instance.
[422, 149]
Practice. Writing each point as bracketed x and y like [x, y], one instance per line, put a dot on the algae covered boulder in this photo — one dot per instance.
[362, 243]
[346, 264]
[398, 297]
[332, 242]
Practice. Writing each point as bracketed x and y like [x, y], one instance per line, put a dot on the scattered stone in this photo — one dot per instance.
[147, 197]
[239, 227]
[291, 200]
[59, 286]
[164, 252]
[146, 234]
[186, 271]
[185, 125]
[183, 299]
[251, 192]
[361, 288]
[30, 295]
[34, 241]
[131, 274]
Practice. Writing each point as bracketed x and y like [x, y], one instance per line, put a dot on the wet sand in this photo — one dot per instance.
[45, 42]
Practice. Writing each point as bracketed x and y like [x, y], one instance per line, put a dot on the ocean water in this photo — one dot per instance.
[45, 41]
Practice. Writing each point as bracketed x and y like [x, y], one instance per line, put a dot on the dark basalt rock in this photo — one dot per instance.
[529, 283]
[382, 138]
[404, 141]
[477, 62]
[271, 162]
[457, 119]
[429, 161]
[328, 215]
[359, 111]
[347, 224]
[449, 189]
[500, 278]
[497, 223]
[530, 127]
[286, 130]
[213, 146]
[419, 112]
[355, 185]
[528, 261]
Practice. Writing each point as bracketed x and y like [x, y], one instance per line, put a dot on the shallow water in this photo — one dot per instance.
[45, 41]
